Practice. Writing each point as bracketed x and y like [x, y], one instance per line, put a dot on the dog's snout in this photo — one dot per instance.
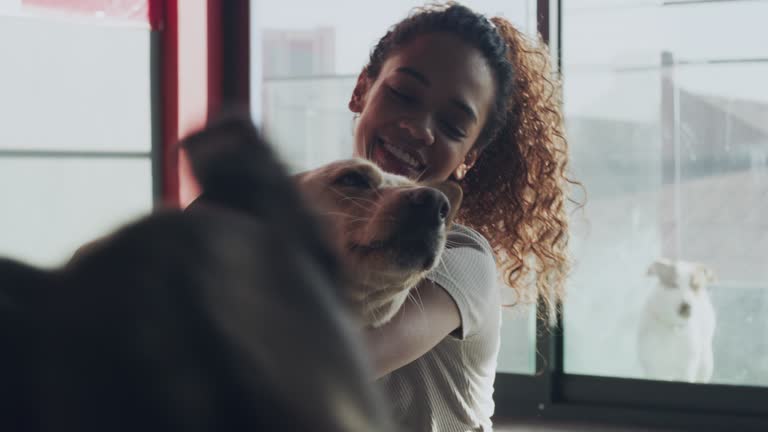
[428, 205]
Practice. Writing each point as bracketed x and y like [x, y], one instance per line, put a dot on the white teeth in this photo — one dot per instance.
[403, 156]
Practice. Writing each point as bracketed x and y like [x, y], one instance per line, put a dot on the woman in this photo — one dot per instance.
[450, 94]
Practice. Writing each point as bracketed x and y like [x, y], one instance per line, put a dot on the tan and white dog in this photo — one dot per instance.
[389, 230]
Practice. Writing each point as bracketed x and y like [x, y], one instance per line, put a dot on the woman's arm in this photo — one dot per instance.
[424, 320]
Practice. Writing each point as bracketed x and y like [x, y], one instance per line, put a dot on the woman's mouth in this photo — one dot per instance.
[396, 160]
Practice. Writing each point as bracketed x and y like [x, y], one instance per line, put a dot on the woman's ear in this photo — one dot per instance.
[471, 158]
[357, 102]
[464, 167]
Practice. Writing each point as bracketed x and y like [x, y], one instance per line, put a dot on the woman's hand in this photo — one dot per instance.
[425, 319]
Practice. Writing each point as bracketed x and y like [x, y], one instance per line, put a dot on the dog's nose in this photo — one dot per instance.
[684, 310]
[428, 206]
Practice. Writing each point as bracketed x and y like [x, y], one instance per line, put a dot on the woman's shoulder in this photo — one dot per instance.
[462, 236]
[468, 256]
[467, 272]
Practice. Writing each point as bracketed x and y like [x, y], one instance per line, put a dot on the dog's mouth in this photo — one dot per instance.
[366, 248]
[397, 159]
[404, 252]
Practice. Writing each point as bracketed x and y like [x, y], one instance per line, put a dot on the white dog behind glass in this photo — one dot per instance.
[678, 323]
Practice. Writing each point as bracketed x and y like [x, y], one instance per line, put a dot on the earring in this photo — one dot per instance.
[460, 172]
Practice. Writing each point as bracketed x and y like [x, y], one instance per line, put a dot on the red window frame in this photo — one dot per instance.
[199, 80]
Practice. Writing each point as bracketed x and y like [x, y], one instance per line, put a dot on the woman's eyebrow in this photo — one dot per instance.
[466, 108]
[415, 74]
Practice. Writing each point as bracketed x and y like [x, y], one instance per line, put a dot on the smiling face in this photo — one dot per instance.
[421, 116]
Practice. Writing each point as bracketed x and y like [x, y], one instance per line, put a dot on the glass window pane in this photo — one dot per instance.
[517, 353]
[304, 67]
[75, 92]
[70, 85]
[51, 206]
[669, 134]
[308, 119]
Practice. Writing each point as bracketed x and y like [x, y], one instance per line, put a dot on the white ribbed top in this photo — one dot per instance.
[450, 388]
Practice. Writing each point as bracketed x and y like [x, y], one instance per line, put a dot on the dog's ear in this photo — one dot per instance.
[702, 275]
[229, 146]
[453, 192]
[658, 266]
[666, 271]
[652, 270]
[85, 249]
[236, 168]
[709, 274]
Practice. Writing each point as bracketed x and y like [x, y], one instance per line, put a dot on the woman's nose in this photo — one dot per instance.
[419, 129]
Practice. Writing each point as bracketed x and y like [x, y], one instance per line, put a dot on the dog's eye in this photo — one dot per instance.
[353, 179]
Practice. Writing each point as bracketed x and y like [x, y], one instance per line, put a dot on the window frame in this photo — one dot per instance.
[197, 83]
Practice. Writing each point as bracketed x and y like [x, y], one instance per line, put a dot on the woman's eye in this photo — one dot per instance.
[400, 95]
[453, 131]
[354, 180]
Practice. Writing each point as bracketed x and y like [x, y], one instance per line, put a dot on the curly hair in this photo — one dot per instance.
[515, 194]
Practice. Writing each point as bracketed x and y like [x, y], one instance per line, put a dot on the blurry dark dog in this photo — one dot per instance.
[215, 319]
